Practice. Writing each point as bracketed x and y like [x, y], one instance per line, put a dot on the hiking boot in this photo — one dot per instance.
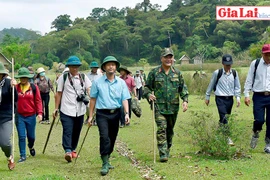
[22, 159]
[230, 142]
[105, 168]
[32, 151]
[68, 157]
[11, 163]
[254, 140]
[267, 146]
[74, 154]
[163, 158]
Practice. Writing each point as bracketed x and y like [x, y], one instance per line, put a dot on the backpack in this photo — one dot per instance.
[255, 69]
[220, 74]
[33, 87]
[47, 79]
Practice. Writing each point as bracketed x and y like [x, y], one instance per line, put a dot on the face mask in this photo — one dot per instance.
[42, 74]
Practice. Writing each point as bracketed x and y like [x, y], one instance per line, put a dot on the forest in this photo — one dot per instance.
[137, 35]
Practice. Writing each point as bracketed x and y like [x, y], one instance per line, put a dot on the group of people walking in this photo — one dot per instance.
[110, 98]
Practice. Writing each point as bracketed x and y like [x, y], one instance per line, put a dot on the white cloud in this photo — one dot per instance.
[39, 14]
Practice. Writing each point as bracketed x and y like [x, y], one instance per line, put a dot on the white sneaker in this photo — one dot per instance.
[230, 142]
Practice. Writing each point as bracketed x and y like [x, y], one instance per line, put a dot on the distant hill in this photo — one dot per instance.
[22, 33]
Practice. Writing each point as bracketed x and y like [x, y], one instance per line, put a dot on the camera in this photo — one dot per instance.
[83, 98]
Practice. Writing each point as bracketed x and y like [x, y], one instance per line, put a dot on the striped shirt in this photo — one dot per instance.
[262, 78]
[227, 85]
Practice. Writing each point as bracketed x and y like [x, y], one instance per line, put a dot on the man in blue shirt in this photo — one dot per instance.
[108, 94]
[258, 81]
[225, 87]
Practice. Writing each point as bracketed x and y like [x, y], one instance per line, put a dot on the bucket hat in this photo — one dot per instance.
[109, 59]
[124, 68]
[3, 69]
[73, 61]
[40, 70]
[24, 72]
[94, 64]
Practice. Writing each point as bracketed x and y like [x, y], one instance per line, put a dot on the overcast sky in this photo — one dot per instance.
[39, 14]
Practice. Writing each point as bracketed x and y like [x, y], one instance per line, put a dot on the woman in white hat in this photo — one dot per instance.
[6, 114]
[45, 85]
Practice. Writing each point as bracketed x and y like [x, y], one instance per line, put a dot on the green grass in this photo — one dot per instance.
[183, 164]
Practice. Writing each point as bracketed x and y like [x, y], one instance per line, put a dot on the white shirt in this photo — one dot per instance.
[93, 76]
[262, 78]
[138, 81]
[69, 105]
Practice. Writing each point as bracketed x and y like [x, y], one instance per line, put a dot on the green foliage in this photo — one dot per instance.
[38, 65]
[231, 46]
[142, 62]
[84, 66]
[18, 34]
[77, 38]
[142, 31]
[62, 22]
[212, 138]
[198, 85]
[20, 53]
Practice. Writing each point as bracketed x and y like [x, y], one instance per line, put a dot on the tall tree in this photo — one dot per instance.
[61, 22]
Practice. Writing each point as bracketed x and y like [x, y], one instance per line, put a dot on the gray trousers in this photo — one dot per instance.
[5, 138]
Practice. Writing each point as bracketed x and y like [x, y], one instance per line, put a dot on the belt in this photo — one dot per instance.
[109, 111]
[225, 97]
[266, 93]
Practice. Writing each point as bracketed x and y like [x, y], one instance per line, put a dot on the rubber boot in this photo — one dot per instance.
[109, 164]
[105, 169]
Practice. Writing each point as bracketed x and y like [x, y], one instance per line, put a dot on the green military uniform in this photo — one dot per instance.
[167, 89]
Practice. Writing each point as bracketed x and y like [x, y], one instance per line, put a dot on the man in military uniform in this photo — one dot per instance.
[168, 84]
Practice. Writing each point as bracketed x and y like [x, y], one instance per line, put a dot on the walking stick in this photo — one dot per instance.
[13, 109]
[154, 128]
[83, 141]
[48, 136]
[57, 122]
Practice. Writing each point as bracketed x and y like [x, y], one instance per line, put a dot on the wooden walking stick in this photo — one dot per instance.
[57, 122]
[49, 133]
[83, 140]
[154, 128]
[13, 109]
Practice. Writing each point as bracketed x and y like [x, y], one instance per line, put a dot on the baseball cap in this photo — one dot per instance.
[166, 52]
[227, 59]
[266, 48]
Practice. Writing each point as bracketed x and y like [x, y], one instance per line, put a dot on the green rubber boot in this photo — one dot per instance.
[109, 164]
[105, 168]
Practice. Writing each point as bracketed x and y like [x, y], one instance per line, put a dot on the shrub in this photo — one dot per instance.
[212, 137]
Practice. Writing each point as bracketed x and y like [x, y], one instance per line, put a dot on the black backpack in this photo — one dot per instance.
[219, 75]
[255, 69]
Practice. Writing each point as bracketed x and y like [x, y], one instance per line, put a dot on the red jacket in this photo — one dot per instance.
[28, 105]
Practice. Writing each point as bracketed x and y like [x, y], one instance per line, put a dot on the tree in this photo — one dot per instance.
[77, 38]
[20, 53]
[61, 22]
[8, 39]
